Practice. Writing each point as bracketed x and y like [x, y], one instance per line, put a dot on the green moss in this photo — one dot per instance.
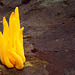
[36, 63]
[48, 3]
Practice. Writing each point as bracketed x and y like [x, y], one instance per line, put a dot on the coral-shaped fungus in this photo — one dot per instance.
[11, 42]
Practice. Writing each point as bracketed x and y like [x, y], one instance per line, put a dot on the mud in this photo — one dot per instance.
[49, 36]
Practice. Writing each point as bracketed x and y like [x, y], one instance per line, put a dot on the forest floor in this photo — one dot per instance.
[49, 36]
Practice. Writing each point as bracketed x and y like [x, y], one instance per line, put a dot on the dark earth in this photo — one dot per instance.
[49, 36]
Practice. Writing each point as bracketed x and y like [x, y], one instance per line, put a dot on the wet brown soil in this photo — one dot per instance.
[49, 36]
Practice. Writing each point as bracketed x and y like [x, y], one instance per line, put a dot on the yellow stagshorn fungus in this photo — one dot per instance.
[11, 42]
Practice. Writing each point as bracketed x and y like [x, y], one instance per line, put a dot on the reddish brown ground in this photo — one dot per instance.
[49, 35]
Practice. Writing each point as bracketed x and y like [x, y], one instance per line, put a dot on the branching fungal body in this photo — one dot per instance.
[11, 42]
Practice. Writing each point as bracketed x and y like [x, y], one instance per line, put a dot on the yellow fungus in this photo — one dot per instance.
[11, 42]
